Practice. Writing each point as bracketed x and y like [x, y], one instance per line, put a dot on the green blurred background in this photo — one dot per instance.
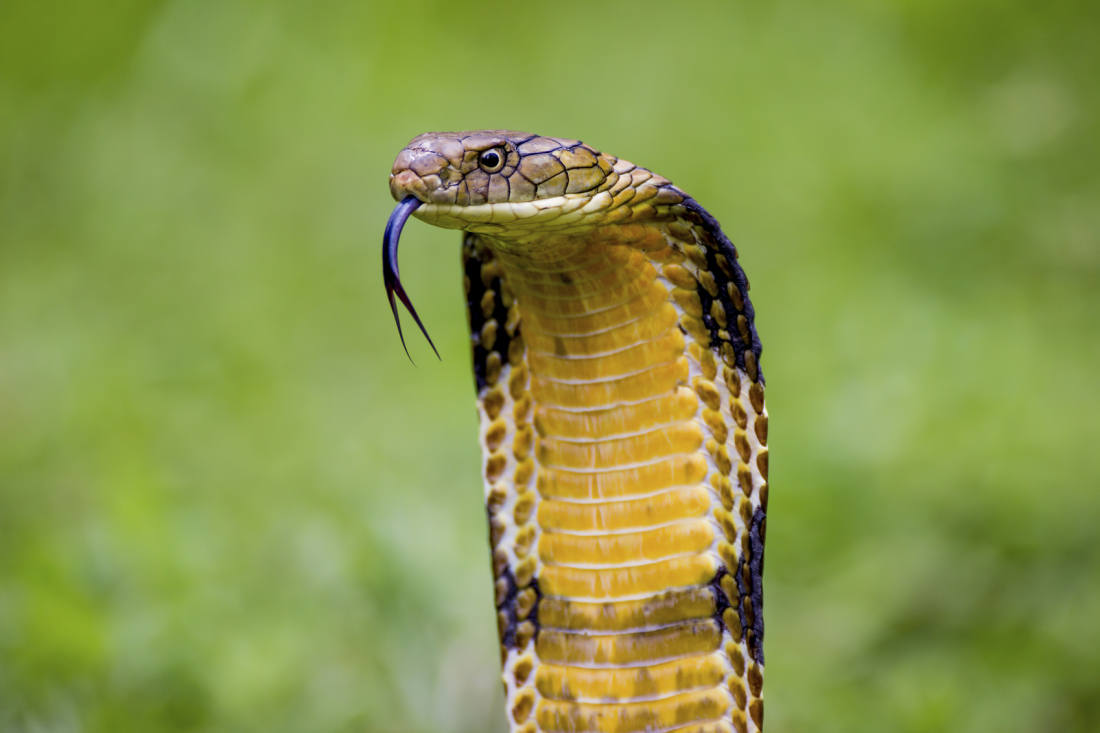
[229, 503]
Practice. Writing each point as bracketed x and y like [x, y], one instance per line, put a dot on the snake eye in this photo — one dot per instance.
[492, 160]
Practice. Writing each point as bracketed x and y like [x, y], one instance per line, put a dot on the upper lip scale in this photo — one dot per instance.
[390, 274]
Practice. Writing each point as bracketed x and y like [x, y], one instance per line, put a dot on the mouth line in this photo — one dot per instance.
[391, 276]
[565, 209]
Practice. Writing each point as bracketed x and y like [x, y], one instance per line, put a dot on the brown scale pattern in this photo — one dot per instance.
[623, 429]
[502, 377]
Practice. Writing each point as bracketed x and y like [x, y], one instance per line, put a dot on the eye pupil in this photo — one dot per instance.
[490, 159]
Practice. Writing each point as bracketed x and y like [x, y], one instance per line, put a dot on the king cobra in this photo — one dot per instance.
[622, 426]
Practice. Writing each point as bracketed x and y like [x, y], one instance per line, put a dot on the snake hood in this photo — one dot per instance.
[622, 426]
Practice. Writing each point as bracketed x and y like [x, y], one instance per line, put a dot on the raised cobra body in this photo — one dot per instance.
[623, 431]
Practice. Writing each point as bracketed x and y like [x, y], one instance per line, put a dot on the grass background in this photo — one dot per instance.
[228, 502]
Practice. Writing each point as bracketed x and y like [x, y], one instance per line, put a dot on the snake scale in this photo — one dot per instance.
[623, 431]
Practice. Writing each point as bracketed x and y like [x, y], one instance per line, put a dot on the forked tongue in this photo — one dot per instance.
[390, 273]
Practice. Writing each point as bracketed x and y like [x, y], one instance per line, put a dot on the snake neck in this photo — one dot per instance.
[622, 546]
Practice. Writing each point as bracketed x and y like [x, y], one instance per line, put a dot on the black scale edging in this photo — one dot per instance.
[721, 603]
[729, 251]
[755, 592]
[477, 319]
[508, 606]
[757, 533]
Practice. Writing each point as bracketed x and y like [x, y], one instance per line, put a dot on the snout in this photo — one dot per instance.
[426, 167]
[407, 183]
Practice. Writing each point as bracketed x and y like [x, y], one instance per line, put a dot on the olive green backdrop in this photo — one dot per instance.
[229, 503]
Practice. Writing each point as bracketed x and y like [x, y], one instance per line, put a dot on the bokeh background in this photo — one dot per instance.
[229, 503]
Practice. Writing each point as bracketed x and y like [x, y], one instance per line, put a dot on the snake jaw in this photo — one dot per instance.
[390, 274]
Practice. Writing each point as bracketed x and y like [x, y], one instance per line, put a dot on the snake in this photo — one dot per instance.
[623, 431]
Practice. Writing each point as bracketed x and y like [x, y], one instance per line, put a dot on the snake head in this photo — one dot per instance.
[495, 167]
[485, 181]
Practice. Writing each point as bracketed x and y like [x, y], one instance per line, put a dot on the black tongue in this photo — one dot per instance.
[390, 274]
